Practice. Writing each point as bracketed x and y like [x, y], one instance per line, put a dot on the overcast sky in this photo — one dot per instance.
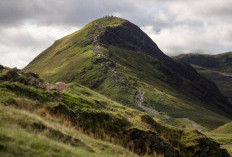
[27, 27]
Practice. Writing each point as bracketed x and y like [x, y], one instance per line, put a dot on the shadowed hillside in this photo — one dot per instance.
[217, 68]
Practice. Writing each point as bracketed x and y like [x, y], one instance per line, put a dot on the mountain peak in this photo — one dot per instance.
[109, 21]
[124, 34]
[115, 31]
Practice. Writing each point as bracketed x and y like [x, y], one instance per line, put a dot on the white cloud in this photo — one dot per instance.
[186, 39]
[19, 45]
[203, 26]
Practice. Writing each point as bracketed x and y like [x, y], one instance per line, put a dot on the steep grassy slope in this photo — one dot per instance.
[25, 134]
[38, 122]
[115, 58]
[217, 68]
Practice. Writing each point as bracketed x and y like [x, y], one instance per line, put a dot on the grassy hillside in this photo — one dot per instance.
[81, 122]
[115, 58]
[23, 133]
[217, 68]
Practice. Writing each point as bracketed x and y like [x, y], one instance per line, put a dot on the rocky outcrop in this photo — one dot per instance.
[28, 78]
[139, 97]
[17, 76]
[58, 86]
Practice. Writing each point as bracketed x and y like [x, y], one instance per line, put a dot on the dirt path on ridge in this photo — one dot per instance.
[96, 41]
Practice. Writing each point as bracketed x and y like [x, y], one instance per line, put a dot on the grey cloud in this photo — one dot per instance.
[54, 12]
[19, 45]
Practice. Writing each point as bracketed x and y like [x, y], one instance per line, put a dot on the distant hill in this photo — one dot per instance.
[217, 68]
[117, 59]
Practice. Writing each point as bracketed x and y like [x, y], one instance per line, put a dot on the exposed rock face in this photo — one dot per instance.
[139, 97]
[59, 86]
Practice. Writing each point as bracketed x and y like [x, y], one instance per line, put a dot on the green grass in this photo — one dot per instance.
[58, 120]
[20, 137]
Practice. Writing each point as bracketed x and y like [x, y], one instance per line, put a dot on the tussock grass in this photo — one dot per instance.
[63, 119]
[25, 134]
